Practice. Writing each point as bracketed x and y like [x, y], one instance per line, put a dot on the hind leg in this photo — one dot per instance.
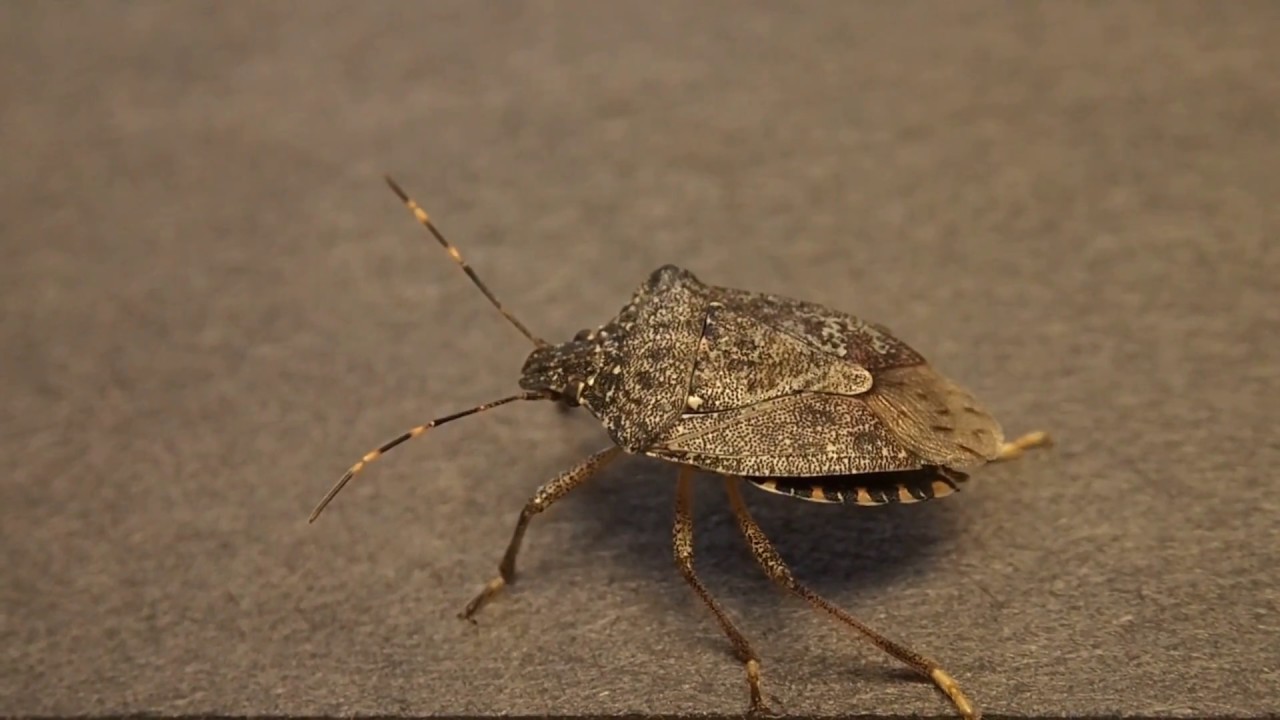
[1015, 448]
[778, 571]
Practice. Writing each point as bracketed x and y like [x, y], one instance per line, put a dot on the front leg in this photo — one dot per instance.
[557, 488]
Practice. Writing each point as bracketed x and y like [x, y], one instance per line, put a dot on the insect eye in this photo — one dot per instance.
[582, 335]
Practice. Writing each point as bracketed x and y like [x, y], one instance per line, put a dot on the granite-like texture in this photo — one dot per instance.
[212, 306]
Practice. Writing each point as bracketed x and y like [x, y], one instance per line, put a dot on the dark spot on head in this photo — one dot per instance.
[942, 428]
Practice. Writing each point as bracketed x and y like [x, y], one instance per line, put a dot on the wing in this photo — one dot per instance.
[935, 418]
[742, 361]
[839, 334]
[806, 434]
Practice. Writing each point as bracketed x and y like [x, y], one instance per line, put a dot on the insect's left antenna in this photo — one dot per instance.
[409, 435]
[425, 219]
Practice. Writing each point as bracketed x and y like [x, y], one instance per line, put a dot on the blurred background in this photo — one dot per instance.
[212, 306]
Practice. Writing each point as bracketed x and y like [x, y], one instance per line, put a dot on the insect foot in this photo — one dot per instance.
[1015, 448]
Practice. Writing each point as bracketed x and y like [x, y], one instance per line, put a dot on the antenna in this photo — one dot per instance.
[372, 455]
[423, 218]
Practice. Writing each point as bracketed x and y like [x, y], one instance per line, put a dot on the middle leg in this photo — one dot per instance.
[778, 571]
[682, 544]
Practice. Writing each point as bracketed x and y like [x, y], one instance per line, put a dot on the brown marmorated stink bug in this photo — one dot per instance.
[787, 396]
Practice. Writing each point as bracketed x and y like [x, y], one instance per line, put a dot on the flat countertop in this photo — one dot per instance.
[212, 306]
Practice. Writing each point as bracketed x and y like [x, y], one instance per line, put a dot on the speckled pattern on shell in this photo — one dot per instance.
[762, 385]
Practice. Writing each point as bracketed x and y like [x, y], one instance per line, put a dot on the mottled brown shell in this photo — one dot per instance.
[761, 385]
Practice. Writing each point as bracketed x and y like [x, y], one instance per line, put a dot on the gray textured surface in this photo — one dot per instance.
[211, 306]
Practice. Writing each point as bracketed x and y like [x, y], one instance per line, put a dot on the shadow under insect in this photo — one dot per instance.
[843, 553]
[843, 550]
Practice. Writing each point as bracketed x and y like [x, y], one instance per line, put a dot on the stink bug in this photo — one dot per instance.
[784, 395]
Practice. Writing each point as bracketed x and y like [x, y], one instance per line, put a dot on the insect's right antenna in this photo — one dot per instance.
[409, 435]
[423, 218]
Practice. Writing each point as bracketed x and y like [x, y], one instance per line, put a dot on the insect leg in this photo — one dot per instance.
[682, 545]
[1013, 449]
[778, 571]
[541, 500]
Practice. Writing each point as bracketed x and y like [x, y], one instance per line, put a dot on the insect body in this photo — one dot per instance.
[785, 395]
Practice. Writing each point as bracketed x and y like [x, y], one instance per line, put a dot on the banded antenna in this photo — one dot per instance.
[373, 455]
[425, 219]
[410, 434]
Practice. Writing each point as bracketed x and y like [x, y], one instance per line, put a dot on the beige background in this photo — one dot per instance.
[212, 306]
